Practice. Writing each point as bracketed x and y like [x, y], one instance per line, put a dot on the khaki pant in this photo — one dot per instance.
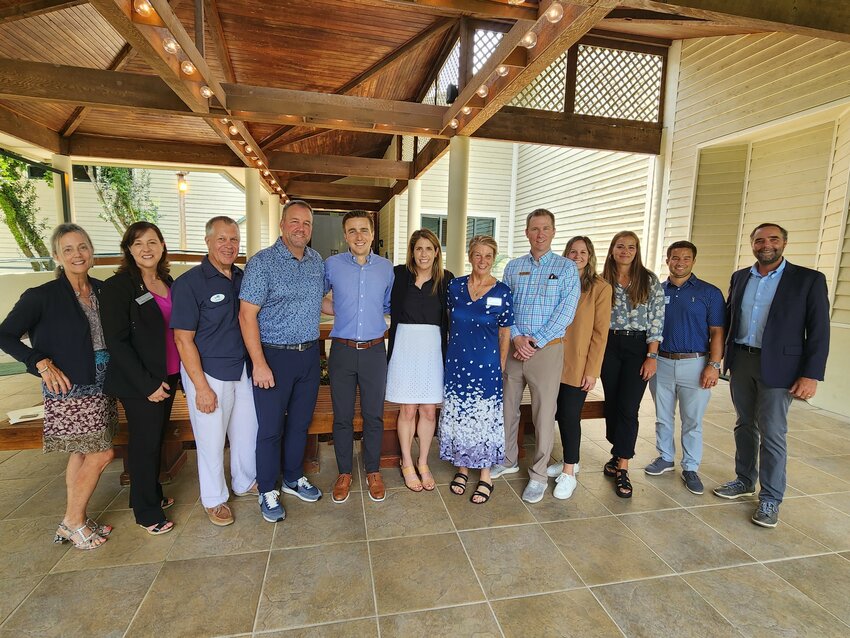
[542, 374]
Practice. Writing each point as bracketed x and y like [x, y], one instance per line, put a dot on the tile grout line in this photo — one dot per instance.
[371, 567]
[790, 584]
[265, 576]
[142, 601]
[25, 598]
[471, 565]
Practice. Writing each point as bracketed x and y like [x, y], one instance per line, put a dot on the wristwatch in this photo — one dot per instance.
[651, 355]
[714, 364]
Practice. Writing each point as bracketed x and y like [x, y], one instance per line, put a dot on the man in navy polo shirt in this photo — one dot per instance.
[281, 307]
[688, 363]
[205, 319]
[361, 282]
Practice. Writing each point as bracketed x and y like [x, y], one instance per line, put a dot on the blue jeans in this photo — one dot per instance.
[679, 380]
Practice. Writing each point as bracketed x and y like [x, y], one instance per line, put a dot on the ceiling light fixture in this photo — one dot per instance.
[233, 130]
[483, 91]
[143, 8]
[529, 40]
[187, 67]
[502, 70]
[454, 123]
[555, 12]
[170, 45]
[206, 92]
[466, 110]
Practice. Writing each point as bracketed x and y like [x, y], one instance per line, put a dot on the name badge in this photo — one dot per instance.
[217, 297]
[666, 300]
[144, 298]
[494, 301]
[524, 274]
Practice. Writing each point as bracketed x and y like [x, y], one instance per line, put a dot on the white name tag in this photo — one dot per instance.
[216, 298]
[666, 300]
[494, 301]
[144, 298]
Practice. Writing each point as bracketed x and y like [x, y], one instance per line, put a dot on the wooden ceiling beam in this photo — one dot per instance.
[552, 39]
[428, 156]
[336, 204]
[338, 165]
[322, 190]
[21, 10]
[25, 129]
[272, 140]
[828, 19]
[484, 9]
[530, 126]
[150, 150]
[219, 41]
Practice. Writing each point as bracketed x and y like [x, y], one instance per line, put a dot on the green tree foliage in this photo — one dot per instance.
[124, 195]
[18, 201]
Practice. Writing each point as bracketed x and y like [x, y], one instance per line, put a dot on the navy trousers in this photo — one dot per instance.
[284, 413]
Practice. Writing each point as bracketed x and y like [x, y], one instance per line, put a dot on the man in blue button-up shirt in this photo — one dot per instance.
[361, 282]
[546, 290]
[280, 311]
[688, 363]
[776, 348]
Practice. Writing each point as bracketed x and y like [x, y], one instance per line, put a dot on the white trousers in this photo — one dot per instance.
[235, 417]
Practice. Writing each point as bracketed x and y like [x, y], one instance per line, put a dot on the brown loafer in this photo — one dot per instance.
[377, 491]
[220, 515]
[342, 487]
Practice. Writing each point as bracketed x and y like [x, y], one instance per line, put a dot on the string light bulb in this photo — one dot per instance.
[248, 149]
[170, 45]
[529, 40]
[466, 110]
[259, 162]
[516, 2]
[454, 123]
[143, 8]
[555, 12]
[502, 70]
[483, 91]
[233, 130]
[187, 67]
[206, 92]
[266, 173]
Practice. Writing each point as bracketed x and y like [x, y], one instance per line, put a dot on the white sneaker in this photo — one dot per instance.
[498, 470]
[565, 487]
[555, 469]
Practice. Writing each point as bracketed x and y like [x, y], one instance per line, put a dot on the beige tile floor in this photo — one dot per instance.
[665, 563]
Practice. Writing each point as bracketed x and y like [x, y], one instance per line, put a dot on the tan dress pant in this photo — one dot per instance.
[542, 374]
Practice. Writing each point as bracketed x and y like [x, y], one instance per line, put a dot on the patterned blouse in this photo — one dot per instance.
[92, 313]
[647, 316]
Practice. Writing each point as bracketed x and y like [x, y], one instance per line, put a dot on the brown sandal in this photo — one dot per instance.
[411, 480]
[428, 485]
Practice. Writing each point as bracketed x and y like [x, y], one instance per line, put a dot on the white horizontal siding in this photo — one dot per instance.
[593, 193]
[836, 229]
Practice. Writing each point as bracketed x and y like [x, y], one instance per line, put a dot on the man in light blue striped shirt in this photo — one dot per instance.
[546, 289]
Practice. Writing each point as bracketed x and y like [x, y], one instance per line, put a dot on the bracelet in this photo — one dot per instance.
[651, 355]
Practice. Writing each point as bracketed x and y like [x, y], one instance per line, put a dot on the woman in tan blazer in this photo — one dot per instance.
[584, 347]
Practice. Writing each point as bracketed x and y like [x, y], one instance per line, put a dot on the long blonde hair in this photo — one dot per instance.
[639, 276]
[436, 267]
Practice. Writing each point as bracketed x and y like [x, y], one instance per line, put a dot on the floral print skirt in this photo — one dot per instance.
[82, 420]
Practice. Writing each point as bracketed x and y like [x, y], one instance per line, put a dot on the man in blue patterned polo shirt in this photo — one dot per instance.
[279, 315]
[688, 363]
[546, 290]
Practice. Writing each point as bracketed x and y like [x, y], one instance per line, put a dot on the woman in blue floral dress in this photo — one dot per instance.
[472, 427]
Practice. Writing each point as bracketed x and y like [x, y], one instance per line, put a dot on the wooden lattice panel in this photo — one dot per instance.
[546, 92]
[484, 43]
[618, 84]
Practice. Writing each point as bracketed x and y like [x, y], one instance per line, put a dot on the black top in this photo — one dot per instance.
[420, 306]
[134, 330]
[57, 328]
[401, 307]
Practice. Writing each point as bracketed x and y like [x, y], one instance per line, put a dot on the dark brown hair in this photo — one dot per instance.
[588, 275]
[358, 214]
[128, 263]
[437, 266]
[640, 279]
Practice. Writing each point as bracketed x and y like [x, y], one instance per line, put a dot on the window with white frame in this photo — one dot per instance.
[474, 226]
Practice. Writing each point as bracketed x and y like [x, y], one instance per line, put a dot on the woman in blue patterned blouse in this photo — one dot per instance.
[637, 321]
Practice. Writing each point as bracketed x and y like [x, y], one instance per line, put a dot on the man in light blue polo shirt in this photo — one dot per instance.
[205, 319]
[280, 311]
[361, 282]
[688, 363]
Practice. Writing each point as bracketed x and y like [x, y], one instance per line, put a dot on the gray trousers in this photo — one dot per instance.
[760, 429]
[347, 369]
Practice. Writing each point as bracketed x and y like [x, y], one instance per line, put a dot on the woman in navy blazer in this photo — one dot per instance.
[67, 353]
[136, 310]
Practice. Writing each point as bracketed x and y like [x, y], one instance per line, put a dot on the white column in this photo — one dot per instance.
[63, 163]
[253, 211]
[274, 218]
[457, 205]
[414, 205]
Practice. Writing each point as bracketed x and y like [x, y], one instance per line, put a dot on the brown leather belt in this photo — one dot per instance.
[676, 356]
[552, 342]
[359, 345]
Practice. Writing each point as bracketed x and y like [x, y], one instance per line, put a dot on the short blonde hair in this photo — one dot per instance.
[482, 240]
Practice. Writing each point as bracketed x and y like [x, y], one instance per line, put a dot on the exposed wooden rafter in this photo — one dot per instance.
[96, 146]
[272, 140]
[322, 190]
[31, 8]
[338, 165]
[29, 131]
[484, 9]
[219, 41]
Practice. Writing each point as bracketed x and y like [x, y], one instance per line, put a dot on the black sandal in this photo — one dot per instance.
[485, 495]
[610, 468]
[623, 486]
[457, 483]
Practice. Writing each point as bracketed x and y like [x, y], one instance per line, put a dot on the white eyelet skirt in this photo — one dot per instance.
[415, 370]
